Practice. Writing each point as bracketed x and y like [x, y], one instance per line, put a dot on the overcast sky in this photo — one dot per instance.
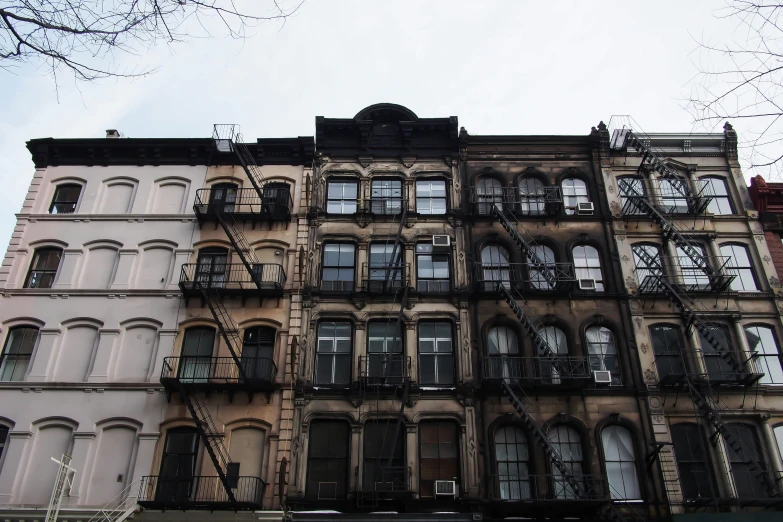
[502, 67]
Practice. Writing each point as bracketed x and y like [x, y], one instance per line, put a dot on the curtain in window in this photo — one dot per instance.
[620, 463]
[503, 350]
[512, 458]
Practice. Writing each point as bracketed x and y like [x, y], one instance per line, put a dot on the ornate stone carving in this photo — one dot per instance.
[649, 375]
[766, 259]
[625, 259]
[643, 347]
[638, 321]
[774, 281]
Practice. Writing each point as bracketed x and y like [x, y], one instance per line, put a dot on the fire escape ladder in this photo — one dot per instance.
[527, 247]
[651, 160]
[227, 139]
[529, 322]
[211, 437]
[228, 330]
[398, 248]
[241, 246]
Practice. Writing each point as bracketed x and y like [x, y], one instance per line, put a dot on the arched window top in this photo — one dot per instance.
[587, 263]
[502, 340]
[494, 255]
[529, 186]
[555, 340]
[487, 184]
[574, 192]
[43, 268]
[66, 198]
[620, 461]
[17, 352]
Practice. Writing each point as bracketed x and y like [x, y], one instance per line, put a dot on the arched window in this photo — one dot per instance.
[620, 461]
[548, 368]
[649, 263]
[568, 444]
[631, 188]
[746, 460]
[532, 200]
[223, 197]
[762, 341]
[692, 461]
[512, 458]
[740, 266]
[196, 356]
[43, 269]
[574, 192]
[177, 466]
[489, 193]
[17, 352]
[587, 264]
[328, 460]
[258, 352]
[603, 352]
[495, 267]
[212, 267]
[542, 267]
[503, 360]
[720, 204]
[66, 196]
[778, 432]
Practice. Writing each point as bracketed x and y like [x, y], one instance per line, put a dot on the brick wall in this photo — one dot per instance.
[775, 249]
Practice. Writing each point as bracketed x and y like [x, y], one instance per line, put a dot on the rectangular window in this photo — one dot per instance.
[43, 269]
[438, 455]
[718, 368]
[649, 263]
[690, 451]
[673, 194]
[746, 461]
[65, 199]
[381, 448]
[327, 463]
[386, 196]
[436, 357]
[716, 188]
[668, 350]
[3, 439]
[177, 466]
[339, 267]
[385, 272]
[341, 197]
[17, 352]
[385, 359]
[761, 341]
[333, 353]
[431, 196]
[693, 275]
[432, 270]
[740, 267]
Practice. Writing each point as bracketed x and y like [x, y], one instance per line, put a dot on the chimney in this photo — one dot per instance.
[112, 133]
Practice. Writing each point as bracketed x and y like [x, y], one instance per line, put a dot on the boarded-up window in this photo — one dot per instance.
[154, 270]
[438, 454]
[327, 463]
[247, 448]
[117, 198]
[75, 354]
[110, 474]
[169, 198]
[48, 442]
[99, 268]
[136, 354]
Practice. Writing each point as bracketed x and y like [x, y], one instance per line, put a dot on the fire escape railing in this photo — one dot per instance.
[542, 201]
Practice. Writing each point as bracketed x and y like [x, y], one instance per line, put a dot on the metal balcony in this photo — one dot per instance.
[207, 493]
[741, 488]
[385, 279]
[267, 279]
[685, 276]
[386, 481]
[556, 277]
[553, 488]
[389, 206]
[384, 369]
[672, 197]
[548, 201]
[673, 371]
[274, 204]
[559, 371]
[218, 373]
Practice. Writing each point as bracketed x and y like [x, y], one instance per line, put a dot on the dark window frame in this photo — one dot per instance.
[17, 355]
[334, 355]
[644, 270]
[439, 358]
[430, 198]
[329, 461]
[761, 364]
[442, 285]
[441, 447]
[65, 205]
[600, 284]
[670, 360]
[519, 485]
[570, 210]
[44, 277]
[258, 354]
[746, 483]
[177, 486]
[726, 199]
[693, 461]
[338, 285]
[736, 270]
[375, 456]
[386, 200]
[342, 199]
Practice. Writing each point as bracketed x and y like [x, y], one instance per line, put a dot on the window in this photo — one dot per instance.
[739, 265]
[223, 197]
[778, 432]
[690, 451]
[379, 446]
[532, 198]
[197, 354]
[542, 267]
[327, 462]
[438, 455]
[43, 269]
[177, 466]
[620, 462]
[602, 350]
[431, 196]
[65, 199]
[512, 457]
[432, 270]
[258, 352]
[3, 439]
[720, 203]
[341, 197]
[692, 274]
[588, 265]
[718, 368]
[385, 272]
[548, 368]
[761, 340]
[495, 267]
[503, 351]
[567, 443]
[489, 193]
[667, 346]
[338, 273]
[574, 192]
[211, 267]
[276, 199]
[673, 195]
[649, 263]
[745, 461]
[333, 353]
[17, 352]
[436, 357]
[630, 187]
[386, 196]
[386, 363]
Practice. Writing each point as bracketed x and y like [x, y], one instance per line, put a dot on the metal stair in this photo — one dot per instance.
[228, 330]
[241, 245]
[228, 138]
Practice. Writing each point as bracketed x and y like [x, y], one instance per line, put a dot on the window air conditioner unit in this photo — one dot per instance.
[446, 488]
[602, 377]
[441, 243]
[585, 209]
[327, 491]
[587, 284]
